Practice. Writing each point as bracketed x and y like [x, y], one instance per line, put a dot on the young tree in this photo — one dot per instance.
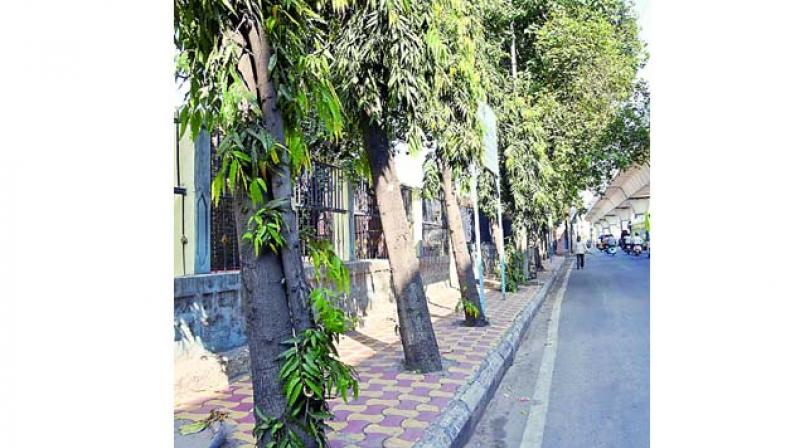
[255, 69]
[452, 121]
[384, 75]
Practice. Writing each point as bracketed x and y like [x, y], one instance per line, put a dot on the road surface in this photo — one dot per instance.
[581, 377]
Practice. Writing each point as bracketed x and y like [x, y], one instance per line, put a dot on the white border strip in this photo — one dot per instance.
[537, 416]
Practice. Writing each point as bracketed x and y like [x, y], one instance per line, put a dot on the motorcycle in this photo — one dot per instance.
[612, 250]
[637, 249]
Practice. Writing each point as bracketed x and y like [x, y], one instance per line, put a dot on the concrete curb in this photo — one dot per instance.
[453, 428]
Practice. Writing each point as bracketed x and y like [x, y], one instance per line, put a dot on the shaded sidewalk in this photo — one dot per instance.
[394, 406]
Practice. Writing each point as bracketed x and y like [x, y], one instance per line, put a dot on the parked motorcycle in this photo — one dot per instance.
[637, 249]
[612, 250]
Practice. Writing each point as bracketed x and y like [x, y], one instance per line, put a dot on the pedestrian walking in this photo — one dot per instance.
[580, 252]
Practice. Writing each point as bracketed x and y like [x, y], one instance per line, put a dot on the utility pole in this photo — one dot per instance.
[477, 228]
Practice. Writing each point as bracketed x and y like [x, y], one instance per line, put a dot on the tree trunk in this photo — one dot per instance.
[297, 289]
[545, 248]
[537, 253]
[266, 315]
[521, 243]
[416, 330]
[274, 288]
[466, 275]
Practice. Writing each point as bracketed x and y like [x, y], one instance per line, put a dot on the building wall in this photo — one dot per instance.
[210, 338]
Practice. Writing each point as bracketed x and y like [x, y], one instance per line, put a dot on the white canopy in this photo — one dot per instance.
[627, 195]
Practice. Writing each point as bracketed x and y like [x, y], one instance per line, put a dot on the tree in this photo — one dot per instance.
[561, 116]
[587, 57]
[626, 140]
[452, 121]
[255, 69]
[383, 72]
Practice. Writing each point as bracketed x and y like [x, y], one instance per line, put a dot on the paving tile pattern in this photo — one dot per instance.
[394, 406]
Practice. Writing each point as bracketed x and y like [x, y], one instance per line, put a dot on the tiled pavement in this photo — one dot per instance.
[394, 407]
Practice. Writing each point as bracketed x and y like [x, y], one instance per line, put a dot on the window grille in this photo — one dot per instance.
[435, 240]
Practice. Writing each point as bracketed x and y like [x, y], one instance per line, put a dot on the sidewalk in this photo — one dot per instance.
[394, 407]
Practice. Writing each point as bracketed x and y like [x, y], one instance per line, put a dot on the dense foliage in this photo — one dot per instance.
[382, 66]
[225, 49]
[312, 372]
[572, 114]
[559, 74]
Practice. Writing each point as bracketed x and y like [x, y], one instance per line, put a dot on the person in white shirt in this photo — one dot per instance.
[637, 239]
[580, 252]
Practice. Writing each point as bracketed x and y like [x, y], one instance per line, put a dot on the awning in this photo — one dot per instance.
[629, 190]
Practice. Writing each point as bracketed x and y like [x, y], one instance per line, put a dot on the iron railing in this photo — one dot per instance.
[224, 243]
[490, 260]
[435, 240]
[367, 231]
[320, 203]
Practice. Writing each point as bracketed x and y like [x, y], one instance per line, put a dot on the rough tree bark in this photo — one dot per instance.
[416, 330]
[521, 243]
[267, 315]
[274, 288]
[297, 289]
[466, 276]
[537, 253]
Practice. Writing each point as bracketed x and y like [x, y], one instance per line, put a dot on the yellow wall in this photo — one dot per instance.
[187, 181]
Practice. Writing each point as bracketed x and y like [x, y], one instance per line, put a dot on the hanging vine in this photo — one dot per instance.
[312, 371]
[219, 45]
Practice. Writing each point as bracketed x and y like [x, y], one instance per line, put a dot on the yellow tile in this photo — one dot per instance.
[350, 407]
[410, 376]
[402, 412]
[394, 442]
[376, 428]
[415, 398]
[222, 403]
[428, 407]
[247, 437]
[337, 426]
[441, 393]
[426, 385]
[401, 389]
[386, 382]
[190, 416]
[412, 423]
[365, 417]
[372, 401]
[371, 393]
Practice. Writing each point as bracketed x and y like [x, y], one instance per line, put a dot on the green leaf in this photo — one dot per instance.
[193, 428]
[255, 193]
[295, 392]
[273, 61]
[233, 172]
[291, 385]
[315, 388]
[217, 186]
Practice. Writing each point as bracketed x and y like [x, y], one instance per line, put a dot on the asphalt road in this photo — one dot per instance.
[581, 380]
